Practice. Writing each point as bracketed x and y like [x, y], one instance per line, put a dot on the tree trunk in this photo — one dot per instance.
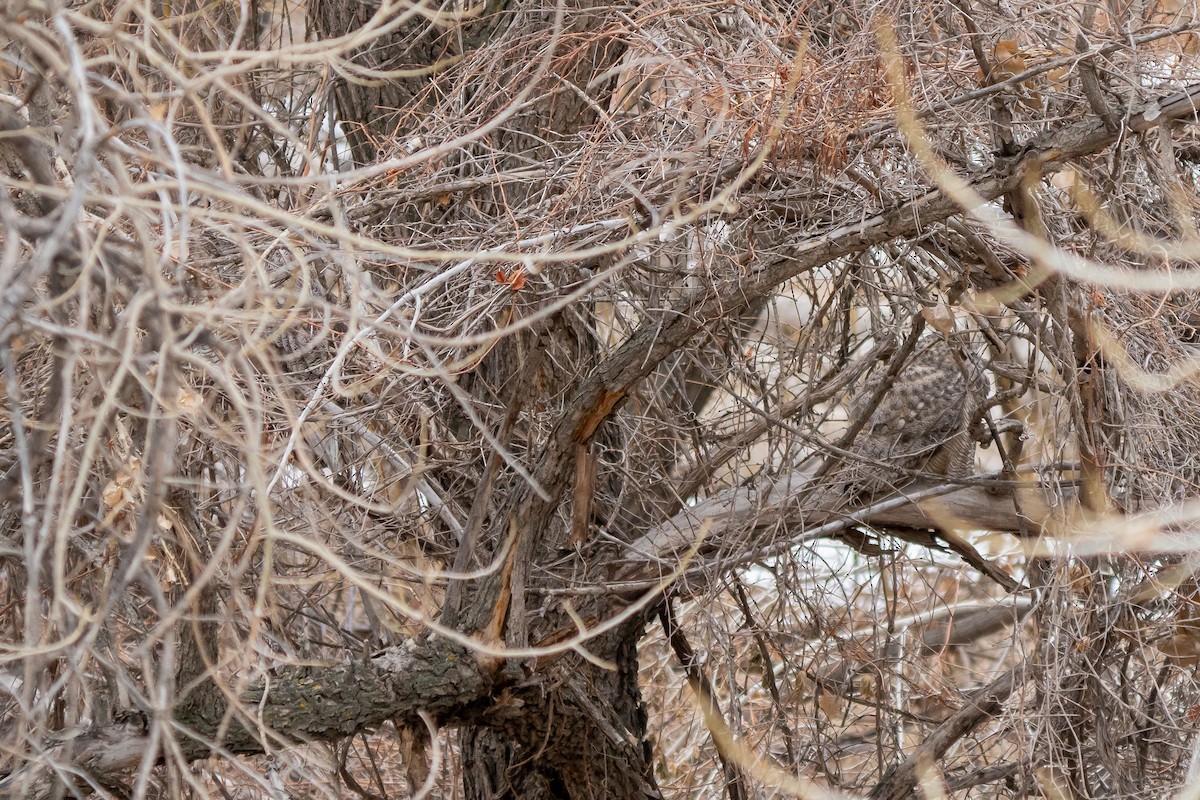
[570, 728]
[577, 733]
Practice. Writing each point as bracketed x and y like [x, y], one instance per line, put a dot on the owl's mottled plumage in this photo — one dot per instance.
[922, 423]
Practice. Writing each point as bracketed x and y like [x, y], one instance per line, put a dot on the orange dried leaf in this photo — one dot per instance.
[113, 494]
[831, 704]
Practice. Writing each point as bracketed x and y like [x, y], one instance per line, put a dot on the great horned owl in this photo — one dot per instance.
[922, 423]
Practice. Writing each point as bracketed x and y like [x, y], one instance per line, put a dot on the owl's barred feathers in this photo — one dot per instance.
[922, 423]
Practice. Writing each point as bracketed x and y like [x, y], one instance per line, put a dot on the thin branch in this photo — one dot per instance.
[901, 779]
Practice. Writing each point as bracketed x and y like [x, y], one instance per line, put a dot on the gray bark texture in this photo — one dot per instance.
[584, 737]
[547, 487]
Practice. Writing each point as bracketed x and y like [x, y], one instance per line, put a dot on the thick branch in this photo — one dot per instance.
[732, 514]
[602, 392]
[295, 704]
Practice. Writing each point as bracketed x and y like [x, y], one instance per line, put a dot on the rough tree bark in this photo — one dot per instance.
[558, 729]
[558, 725]
[572, 729]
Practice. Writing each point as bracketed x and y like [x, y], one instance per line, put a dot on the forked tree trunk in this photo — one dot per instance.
[565, 728]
